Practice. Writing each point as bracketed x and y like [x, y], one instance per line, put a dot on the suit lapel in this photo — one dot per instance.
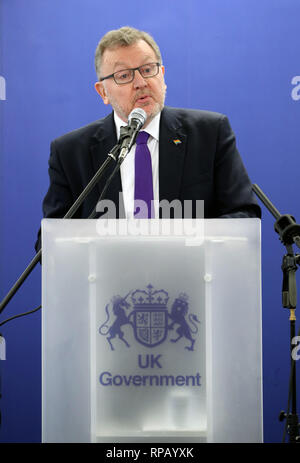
[172, 147]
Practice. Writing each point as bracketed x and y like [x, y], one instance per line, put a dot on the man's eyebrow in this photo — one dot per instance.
[125, 66]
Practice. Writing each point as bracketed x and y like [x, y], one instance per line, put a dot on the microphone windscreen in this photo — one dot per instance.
[137, 114]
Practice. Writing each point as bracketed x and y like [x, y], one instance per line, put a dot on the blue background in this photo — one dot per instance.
[237, 57]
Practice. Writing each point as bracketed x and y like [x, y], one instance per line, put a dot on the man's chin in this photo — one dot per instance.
[150, 111]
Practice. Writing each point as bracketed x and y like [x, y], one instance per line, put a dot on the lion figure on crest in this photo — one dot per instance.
[178, 316]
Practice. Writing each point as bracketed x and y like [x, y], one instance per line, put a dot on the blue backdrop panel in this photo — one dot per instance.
[239, 58]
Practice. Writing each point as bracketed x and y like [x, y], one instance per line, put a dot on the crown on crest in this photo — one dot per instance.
[150, 299]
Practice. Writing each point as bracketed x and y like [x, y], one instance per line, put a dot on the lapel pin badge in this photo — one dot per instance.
[177, 141]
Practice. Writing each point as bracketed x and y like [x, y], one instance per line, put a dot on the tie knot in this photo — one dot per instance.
[142, 138]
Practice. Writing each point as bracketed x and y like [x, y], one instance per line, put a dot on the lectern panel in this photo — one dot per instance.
[151, 332]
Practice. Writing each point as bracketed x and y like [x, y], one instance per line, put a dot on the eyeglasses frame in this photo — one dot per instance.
[131, 69]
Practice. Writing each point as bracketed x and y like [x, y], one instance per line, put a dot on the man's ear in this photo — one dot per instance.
[100, 89]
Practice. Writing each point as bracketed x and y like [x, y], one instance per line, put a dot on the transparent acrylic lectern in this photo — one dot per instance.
[151, 331]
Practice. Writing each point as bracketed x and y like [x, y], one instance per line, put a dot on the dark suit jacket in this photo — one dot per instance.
[205, 165]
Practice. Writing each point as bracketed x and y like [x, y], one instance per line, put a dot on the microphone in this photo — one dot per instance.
[136, 120]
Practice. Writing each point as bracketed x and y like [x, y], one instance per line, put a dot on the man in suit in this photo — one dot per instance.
[193, 153]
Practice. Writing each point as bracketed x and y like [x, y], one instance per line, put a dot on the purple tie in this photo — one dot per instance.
[143, 189]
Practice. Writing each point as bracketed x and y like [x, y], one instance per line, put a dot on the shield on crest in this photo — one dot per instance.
[150, 326]
[150, 316]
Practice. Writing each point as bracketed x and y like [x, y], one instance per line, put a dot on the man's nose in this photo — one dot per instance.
[139, 80]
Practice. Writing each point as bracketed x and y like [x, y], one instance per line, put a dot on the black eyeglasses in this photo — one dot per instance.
[127, 75]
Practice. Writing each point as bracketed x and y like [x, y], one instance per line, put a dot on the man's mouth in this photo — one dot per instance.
[143, 99]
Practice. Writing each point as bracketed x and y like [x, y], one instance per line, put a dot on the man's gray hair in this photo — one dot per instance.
[123, 38]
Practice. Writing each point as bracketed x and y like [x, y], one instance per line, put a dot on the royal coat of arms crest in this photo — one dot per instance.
[149, 318]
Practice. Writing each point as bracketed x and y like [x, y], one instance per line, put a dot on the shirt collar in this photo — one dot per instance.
[152, 128]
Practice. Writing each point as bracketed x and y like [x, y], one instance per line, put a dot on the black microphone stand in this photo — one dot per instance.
[128, 135]
[289, 234]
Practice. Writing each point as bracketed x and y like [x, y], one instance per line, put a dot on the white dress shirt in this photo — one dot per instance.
[127, 166]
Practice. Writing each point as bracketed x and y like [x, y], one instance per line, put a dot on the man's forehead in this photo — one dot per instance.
[120, 55]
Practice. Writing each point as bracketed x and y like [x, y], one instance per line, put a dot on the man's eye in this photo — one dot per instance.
[124, 75]
[147, 69]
